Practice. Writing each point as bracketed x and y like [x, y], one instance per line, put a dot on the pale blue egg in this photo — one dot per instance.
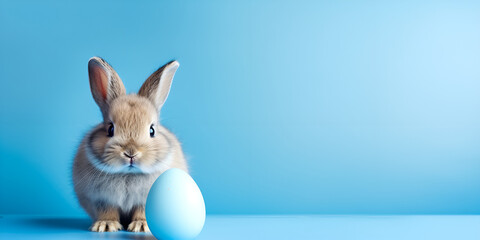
[175, 208]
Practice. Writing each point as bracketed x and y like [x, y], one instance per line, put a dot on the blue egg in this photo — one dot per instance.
[175, 208]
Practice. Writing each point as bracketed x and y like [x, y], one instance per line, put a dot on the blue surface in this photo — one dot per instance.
[313, 227]
[287, 107]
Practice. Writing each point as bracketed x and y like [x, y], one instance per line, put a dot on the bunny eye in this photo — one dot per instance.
[152, 131]
[110, 130]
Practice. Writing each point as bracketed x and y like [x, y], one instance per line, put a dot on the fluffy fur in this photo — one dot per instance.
[113, 174]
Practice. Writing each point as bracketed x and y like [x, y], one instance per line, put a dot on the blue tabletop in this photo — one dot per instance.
[266, 227]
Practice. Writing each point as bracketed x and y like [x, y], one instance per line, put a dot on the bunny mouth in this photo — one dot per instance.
[132, 163]
[132, 168]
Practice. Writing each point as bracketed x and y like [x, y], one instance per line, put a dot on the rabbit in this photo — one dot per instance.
[120, 158]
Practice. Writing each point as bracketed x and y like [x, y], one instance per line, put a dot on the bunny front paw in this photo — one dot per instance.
[106, 226]
[138, 226]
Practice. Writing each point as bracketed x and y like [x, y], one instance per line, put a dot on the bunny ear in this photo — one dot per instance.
[157, 86]
[105, 83]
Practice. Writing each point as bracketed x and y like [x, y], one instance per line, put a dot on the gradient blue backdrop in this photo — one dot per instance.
[282, 107]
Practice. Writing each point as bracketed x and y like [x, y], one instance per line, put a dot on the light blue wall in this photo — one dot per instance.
[282, 107]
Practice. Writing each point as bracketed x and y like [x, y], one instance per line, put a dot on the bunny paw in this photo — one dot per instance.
[106, 226]
[138, 226]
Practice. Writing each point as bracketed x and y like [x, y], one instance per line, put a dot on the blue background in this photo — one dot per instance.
[287, 107]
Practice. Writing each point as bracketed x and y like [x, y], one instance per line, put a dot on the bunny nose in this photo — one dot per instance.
[129, 155]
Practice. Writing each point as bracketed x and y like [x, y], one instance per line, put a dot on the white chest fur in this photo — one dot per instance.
[122, 190]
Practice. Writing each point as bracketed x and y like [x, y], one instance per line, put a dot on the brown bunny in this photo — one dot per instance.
[119, 159]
